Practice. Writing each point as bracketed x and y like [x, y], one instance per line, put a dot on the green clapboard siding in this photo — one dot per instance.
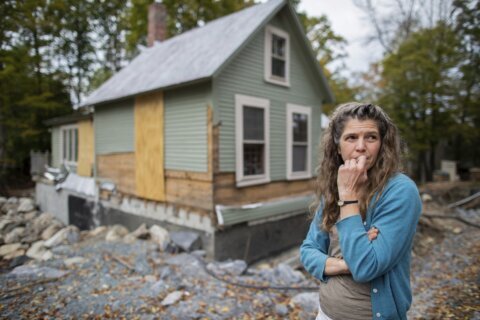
[56, 147]
[245, 75]
[234, 215]
[186, 146]
[114, 128]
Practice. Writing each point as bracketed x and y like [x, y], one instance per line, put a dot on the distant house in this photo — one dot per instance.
[215, 130]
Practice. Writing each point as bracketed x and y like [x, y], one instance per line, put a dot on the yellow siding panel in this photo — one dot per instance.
[149, 141]
[85, 148]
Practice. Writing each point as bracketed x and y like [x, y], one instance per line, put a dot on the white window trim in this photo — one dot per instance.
[291, 175]
[269, 30]
[62, 156]
[240, 101]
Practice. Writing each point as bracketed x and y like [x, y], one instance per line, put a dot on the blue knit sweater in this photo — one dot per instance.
[384, 262]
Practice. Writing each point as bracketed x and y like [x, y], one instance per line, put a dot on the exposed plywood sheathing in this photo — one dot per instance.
[85, 148]
[189, 189]
[120, 169]
[226, 192]
[149, 146]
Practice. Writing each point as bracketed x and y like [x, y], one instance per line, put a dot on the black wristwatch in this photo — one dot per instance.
[342, 203]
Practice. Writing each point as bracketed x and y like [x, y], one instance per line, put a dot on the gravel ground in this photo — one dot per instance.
[99, 279]
[129, 281]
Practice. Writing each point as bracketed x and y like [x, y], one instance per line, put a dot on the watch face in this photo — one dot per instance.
[340, 203]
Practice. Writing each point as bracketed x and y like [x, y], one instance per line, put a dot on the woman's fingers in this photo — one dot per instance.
[372, 233]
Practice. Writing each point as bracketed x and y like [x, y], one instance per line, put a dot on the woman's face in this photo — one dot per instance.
[360, 137]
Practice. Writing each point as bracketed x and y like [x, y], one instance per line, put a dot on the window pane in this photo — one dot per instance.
[253, 159]
[278, 67]
[253, 123]
[299, 162]
[69, 145]
[65, 143]
[300, 127]
[75, 146]
[278, 46]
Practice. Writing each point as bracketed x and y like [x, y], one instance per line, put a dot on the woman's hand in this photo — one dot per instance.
[351, 175]
[372, 233]
[335, 266]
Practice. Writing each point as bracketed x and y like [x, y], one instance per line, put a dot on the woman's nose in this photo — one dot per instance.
[360, 145]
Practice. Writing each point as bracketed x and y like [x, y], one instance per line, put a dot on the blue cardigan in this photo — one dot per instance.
[384, 262]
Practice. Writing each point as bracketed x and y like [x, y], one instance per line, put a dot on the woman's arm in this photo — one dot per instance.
[396, 216]
[314, 250]
[335, 266]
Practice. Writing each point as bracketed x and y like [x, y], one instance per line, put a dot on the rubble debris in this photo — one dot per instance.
[186, 240]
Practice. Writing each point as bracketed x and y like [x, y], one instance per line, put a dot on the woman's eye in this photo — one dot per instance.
[349, 138]
[372, 138]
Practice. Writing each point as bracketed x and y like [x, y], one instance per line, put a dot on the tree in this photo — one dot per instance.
[419, 92]
[30, 90]
[329, 47]
[467, 129]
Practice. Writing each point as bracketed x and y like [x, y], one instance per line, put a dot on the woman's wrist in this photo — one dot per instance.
[335, 266]
[347, 196]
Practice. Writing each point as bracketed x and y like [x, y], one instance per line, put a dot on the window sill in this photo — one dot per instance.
[252, 181]
[278, 81]
[299, 176]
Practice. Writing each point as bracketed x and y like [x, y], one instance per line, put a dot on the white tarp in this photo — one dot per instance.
[78, 184]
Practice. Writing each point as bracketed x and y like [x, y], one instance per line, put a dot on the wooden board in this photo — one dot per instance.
[191, 190]
[85, 148]
[227, 193]
[149, 146]
[119, 168]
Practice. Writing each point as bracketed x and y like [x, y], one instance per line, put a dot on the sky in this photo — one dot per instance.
[350, 22]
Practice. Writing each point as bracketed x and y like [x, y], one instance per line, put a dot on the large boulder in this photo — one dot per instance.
[287, 275]
[25, 205]
[141, 232]
[186, 240]
[15, 235]
[38, 251]
[41, 222]
[100, 230]
[116, 233]
[307, 301]
[10, 205]
[67, 235]
[9, 248]
[234, 268]
[51, 230]
[160, 236]
[3, 200]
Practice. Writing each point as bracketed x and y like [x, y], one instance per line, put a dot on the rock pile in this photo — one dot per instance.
[26, 233]
[78, 274]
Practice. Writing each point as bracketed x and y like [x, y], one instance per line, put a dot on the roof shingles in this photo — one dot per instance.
[193, 55]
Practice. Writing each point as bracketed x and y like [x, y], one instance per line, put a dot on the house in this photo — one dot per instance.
[214, 130]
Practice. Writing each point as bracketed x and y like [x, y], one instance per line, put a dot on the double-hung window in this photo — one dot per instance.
[69, 145]
[299, 139]
[277, 56]
[252, 140]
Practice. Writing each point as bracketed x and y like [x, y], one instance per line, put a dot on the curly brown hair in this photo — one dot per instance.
[387, 164]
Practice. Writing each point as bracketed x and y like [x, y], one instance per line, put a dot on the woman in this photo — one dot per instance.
[359, 242]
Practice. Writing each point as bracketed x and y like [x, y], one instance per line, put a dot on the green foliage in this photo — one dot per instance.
[30, 90]
[329, 47]
[419, 90]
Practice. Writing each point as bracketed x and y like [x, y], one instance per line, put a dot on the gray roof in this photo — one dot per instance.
[192, 56]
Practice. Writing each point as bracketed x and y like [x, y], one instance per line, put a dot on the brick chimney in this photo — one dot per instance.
[157, 23]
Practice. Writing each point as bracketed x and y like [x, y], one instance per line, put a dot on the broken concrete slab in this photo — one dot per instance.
[186, 240]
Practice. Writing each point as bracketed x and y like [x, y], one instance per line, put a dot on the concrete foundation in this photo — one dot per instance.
[249, 242]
